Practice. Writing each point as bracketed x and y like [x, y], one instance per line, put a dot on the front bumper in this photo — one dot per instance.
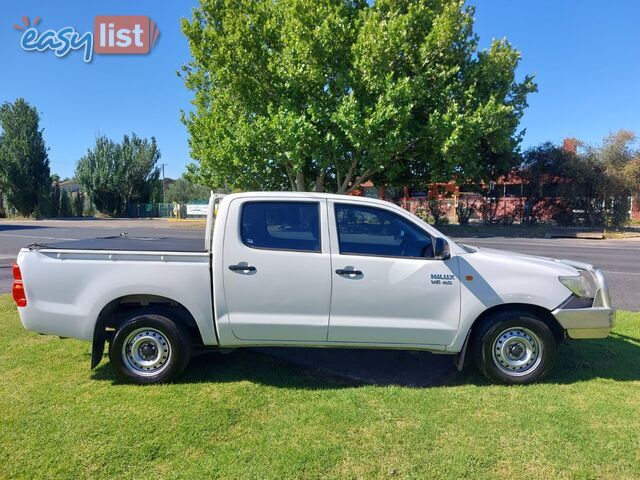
[592, 322]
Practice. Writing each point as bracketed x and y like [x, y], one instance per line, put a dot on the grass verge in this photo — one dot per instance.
[247, 416]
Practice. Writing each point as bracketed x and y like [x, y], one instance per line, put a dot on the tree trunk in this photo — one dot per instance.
[291, 178]
[347, 179]
[300, 182]
[360, 180]
[319, 187]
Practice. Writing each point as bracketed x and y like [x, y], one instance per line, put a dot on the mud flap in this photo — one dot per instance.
[97, 348]
[460, 359]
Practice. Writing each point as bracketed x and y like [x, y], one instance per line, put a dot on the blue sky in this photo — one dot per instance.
[585, 55]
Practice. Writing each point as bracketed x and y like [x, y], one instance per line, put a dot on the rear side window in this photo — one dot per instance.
[281, 225]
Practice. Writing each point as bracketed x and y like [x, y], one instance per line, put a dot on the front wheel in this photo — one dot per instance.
[150, 347]
[514, 347]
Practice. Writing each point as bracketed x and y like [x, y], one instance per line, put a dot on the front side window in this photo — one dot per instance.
[281, 225]
[366, 230]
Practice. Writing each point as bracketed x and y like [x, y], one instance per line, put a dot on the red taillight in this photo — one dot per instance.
[18, 287]
[17, 274]
[18, 294]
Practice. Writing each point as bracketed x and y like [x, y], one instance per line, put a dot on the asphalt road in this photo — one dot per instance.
[15, 235]
[618, 259]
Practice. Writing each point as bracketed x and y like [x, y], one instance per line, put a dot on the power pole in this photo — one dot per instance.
[164, 195]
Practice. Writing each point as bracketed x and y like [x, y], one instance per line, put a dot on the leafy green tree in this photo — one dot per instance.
[139, 174]
[600, 184]
[183, 191]
[541, 169]
[594, 184]
[632, 173]
[78, 204]
[325, 95]
[24, 163]
[65, 204]
[54, 196]
[614, 158]
[98, 172]
[114, 174]
[544, 171]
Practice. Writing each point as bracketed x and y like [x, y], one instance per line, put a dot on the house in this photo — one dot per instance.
[70, 185]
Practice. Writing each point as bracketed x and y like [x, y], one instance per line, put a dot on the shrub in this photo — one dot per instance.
[438, 210]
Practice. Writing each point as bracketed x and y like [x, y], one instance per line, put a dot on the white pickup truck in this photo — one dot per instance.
[307, 269]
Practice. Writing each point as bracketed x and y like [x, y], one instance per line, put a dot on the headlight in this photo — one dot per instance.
[581, 286]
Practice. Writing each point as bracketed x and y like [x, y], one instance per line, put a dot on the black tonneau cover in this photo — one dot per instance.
[125, 242]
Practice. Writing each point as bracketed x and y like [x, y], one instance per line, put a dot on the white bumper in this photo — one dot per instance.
[595, 321]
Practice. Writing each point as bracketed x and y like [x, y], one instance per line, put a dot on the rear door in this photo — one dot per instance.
[387, 286]
[277, 269]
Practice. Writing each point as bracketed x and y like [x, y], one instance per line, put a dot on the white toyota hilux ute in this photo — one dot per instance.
[308, 269]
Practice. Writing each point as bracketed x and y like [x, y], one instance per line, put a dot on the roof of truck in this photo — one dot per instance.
[309, 195]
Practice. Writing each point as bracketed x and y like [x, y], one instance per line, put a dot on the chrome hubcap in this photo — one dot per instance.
[517, 351]
[146, 351]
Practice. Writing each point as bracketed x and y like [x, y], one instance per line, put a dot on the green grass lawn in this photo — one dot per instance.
[247, 416]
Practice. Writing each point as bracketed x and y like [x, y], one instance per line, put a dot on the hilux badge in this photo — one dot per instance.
[442, 279]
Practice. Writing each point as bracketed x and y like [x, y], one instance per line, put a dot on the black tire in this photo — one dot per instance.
[163, 347]
[514, 337]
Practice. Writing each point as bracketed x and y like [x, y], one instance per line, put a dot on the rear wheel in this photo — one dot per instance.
[514, 347]
[150, 347]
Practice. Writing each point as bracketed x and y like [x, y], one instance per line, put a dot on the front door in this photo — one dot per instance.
[277, 270]
[387, 286]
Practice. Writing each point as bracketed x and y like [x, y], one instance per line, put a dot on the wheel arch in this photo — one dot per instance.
[112, 314]
[540, 312]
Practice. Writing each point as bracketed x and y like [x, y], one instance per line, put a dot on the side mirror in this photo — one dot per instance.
[441, 249]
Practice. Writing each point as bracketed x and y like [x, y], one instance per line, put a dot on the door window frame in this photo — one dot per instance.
[281, 201]
[333, 206]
